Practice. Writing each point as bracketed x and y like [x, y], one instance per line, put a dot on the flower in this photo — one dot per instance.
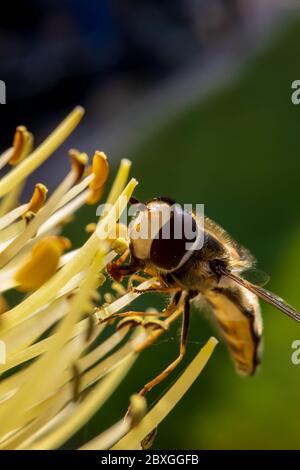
[56, 376]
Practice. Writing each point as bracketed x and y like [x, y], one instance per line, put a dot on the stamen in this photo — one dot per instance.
[27, 166]
[22, 146]
[42, 263]
[100, 170]
[78, 161]
[37, 201]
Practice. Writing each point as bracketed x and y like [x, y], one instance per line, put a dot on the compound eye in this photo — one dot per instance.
[173, 242]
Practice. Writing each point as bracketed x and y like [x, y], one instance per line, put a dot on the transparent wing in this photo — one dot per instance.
[264, 294]
[255, 276]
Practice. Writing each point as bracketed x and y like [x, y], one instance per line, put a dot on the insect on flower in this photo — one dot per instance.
[213, 270]
[57, 368]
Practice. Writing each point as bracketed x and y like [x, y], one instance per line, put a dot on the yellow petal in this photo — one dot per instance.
[41, 263]
[40, 154]
[22, 146]
[120, 181]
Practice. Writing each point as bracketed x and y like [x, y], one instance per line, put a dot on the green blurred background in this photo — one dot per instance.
[237, 151]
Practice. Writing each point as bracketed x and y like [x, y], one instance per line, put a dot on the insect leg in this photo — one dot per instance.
[131, 313]
[135, 277]
[173, 305]
[117, 270]
[157, 289]
[184, 333]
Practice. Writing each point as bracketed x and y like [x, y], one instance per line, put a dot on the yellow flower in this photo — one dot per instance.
[56, 376]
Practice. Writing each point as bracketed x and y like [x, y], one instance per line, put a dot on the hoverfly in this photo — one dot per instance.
[213, 272]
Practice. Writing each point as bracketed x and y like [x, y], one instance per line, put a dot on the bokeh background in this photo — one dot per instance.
[198, 94]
